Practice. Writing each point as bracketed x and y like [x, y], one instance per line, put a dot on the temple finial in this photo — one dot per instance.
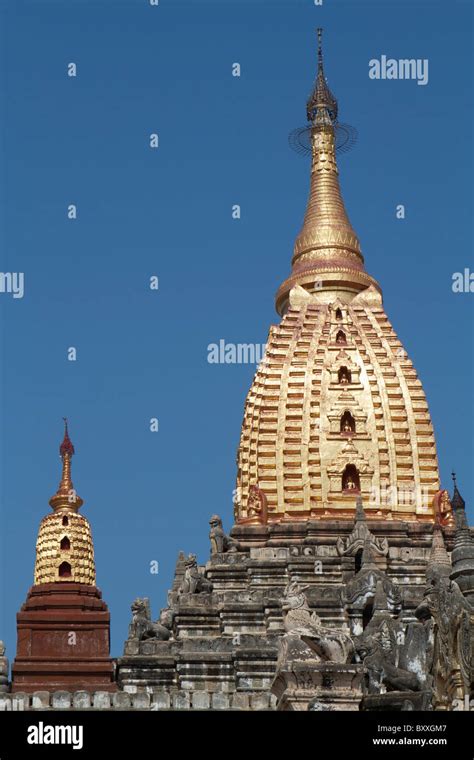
[327, 244]
[321, 107]
[66, 447]
[462, 556]
[65, 497]
[320, 47]
[457, 502]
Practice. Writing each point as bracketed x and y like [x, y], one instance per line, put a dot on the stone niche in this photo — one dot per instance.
[345, 405]
[343, 370]
[361, 473]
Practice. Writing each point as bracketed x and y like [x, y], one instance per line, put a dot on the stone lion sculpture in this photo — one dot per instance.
[306, 635]
[194, 582]
[220, 541]
[142, 627]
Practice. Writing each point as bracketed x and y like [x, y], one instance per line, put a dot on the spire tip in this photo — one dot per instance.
[319, 32]
[66, 446]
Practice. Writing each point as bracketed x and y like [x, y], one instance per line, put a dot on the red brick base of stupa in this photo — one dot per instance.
[63, 640]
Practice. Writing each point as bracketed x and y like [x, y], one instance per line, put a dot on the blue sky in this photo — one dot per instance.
[167, 212]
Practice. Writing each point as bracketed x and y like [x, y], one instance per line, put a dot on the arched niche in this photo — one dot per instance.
[64, 570]
[348, 424]
[350, 479]
[344, 376]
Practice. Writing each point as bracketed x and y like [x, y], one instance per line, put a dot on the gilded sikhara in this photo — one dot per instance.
[336, 408]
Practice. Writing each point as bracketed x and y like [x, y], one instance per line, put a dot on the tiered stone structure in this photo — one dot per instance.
[222, 646]
[313, 602]
[347, 580]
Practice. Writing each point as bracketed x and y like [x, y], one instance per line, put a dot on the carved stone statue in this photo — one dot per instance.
[378, 652]
[257, 505]
[194, 582]
[449, 621]
[443, 509]
[143, 628]
[305, 633]
[315, 662]
[3, 669]
[220, 541]
[378, 648]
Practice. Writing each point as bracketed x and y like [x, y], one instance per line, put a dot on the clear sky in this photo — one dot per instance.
[167, 212]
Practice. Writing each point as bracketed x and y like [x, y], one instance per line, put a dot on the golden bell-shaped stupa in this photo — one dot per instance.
[64, 548]
[336, 409]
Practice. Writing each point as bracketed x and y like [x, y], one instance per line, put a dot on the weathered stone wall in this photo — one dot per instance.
[155, 700]
[225, 642]
[222, 645]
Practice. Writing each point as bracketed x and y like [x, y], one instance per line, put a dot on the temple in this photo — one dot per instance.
[347, 579]
[336, 407]
[64, 626]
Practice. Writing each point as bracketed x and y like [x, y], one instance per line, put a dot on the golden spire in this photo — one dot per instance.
[327, 253]
[334, 353]
[65, 497]
[64, 548]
